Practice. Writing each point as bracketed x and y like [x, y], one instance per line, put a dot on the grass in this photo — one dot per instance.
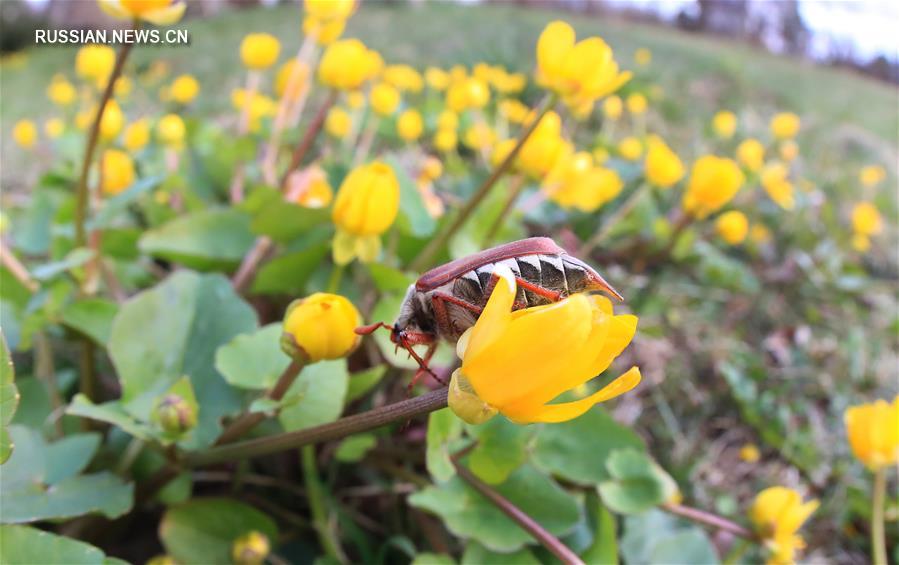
[705, 73]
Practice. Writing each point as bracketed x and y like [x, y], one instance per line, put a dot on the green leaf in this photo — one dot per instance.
[253, 360]
[321, 388]
[40, 481]
[289, 273]
[433, 559]
[443, 429]
[388, 279]
[203, 530]
[113, 208]
[209, 239]
[577, 450]
[182, 389]
[31, 230]
[467, 514]
[354, 448]
[501, 448]
[92, 317]
[280, 220]
[635, 486]
[477, 554]
[364, 381]
[73, 259]
[9, 399]
[414, 218]
[173, 330]
[23, 545]
[656, 537]
[112, 412]
[604, 549]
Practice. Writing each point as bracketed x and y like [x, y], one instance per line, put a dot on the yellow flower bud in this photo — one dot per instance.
[663, 166]
[612, 107]
[636, 103]
[725, 124]
[642, 56]
[159, 12]
[404, 78]
[514, 110]
[184, 89]
[630, 148]
[318, 192]
[61, 92]
[338, 123]
[448, 120]
[438, 79]
[136, 135]
[95, 62]
[866, 220]
[366, 206]
[171, 131]
[54, 127]
[409, 125]
[431, 169]
[259, 51]
[251, 548]
[789, 150]
[329, 9]
[112, 122]
[325, 32]
[384, 99]
[117, 172]
[283, 79]
[750, 453]
[714, 181]
[24, 133]
[785, 125]
[777, 514]
[445, 140]
[122, 86]
[759, 234]
[872, 175]
[321, 326]
[732, 226]
[175, 415]
[479, 136]
[347, 64]
[751, 154]
[873, 431]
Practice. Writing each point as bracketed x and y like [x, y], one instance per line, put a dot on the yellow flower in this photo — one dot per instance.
[663, 166]
[112, 122]
[25, 134]
[612, 107]
[324, 31]
[171, 131]
[514, 110]
[544, 148]
[437, 78]
[347, 64]
[725, 124]
[260, 106]
[759, 233]
[873, 431]
[326, 10]
[409, 125]
[630, 148]
[285, 72]
[338, 123]
[714, 181]
[751, 154]
[117, 172]
[445, 140]
[578, 183]
[642, 56]
[508, 83]
[403, 77]
[61, 92]
[259, 50]
[785, 125]
[774, 181]
[778, 513]
[320, 326]
[732, 226]
[184, 89]
[871, 175]
[137, 135]
[431, 169]
[750, 453]
[95, 62]
[250, 549]
[789, 150]
[318, 192]
[54, 127]
[577, 71]
[861, 242]
[355, 99]
[600, 155]
[586, 337]
[636, 103]
[479, 136]
[470, 92]
[122, 86]
[384, 99]
[366, 206]
[158, 12]
[866, 219]
[448, 120]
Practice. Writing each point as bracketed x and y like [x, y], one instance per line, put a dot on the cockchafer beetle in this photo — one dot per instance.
[447, 300]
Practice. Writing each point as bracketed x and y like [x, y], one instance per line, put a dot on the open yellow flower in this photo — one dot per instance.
[785, 125]
[366, 206]
[725, 124]
[714, 181]
[576, 182]
[409, 125]
[321, 326]
[159, 12]
[544, 148]
[580, 71]
[503, 370]
[25, 134]
[774, 181]
[751, 154]
[732, 226]
[873, 431]
[778, 513]
[663, 166]
[871, 175]
[259, 50]
[866, 220]
[117, 172]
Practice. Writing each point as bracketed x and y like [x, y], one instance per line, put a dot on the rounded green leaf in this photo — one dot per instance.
[253, 360]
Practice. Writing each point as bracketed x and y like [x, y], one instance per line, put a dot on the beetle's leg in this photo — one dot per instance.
[551, 295]
[425, 368]
[441, 314]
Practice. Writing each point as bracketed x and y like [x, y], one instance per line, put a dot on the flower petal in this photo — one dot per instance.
[552, 413]
[114, 8]
[368, 247]
[343, 248]
[496, 314]
[167, 16]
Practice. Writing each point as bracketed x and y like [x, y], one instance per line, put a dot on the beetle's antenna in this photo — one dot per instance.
[371, 328]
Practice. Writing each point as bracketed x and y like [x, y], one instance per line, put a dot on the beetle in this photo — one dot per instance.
[447, 300]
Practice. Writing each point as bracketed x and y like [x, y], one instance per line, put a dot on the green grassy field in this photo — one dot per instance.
[706, 73]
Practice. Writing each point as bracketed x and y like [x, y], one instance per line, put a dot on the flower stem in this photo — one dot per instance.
[610, 224]
[441, 239]
[878, 536]
[397, 412]
[514, 192]
[93, 136]
[312, 132]
[336, 276]
[709, 519]
[315, 492]
[528, 524]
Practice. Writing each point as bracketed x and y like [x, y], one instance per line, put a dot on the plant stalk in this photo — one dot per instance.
[878, 534]
[610, 224]
[315, 493]
[427, 254]
[514, 192]
[709, 519]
